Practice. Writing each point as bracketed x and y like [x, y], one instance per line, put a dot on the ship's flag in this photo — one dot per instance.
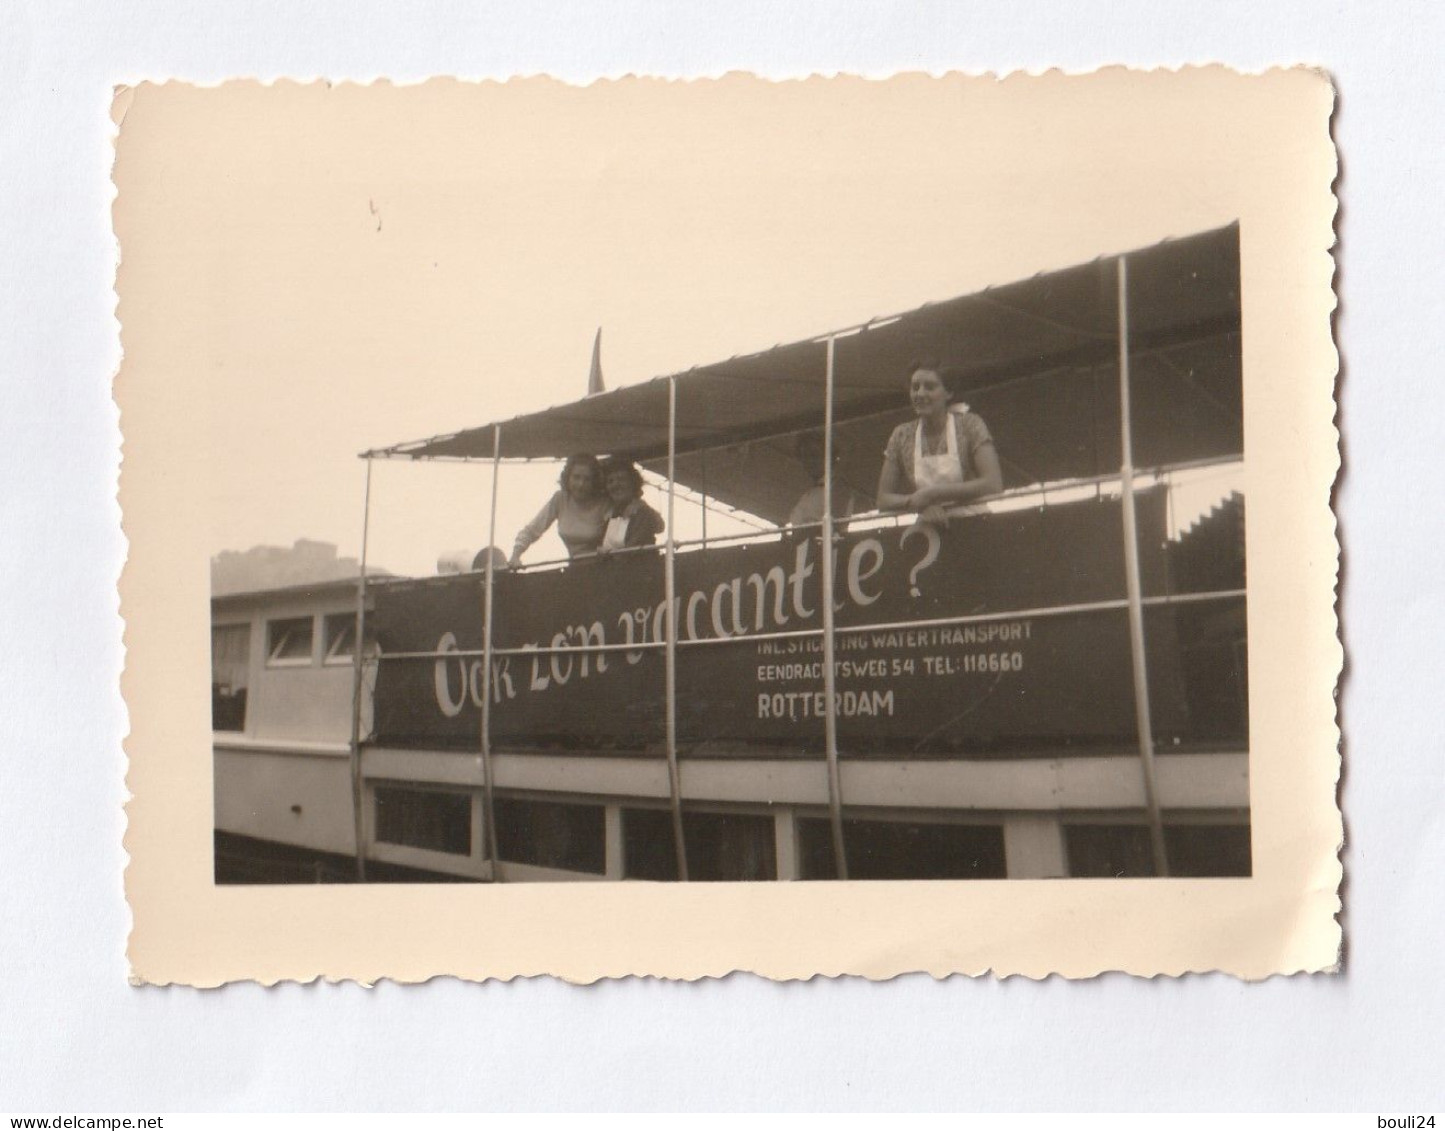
[594, 378]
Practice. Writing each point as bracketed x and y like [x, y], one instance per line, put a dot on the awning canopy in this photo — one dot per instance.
[1041, 361]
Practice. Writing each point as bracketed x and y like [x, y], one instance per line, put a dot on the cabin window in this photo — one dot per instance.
[1208, 850]
[902, 850]
[551, 834]
[720, 846]
[1124, 850]
[230, 675]
[434, 819]
[340, 635]
[289, 641]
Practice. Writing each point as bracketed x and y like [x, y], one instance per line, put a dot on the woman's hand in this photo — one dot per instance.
[933, 515]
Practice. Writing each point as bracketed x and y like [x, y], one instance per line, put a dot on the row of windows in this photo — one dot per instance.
[291, 641]
[742, 846]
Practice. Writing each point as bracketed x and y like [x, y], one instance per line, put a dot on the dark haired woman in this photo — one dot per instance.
[630, 522]
[579, 509]
[944, 459]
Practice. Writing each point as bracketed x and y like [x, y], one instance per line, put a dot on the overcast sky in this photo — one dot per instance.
[375, 265]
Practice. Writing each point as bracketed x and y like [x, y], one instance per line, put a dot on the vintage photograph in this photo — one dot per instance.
[728, 482]
[1024, 657]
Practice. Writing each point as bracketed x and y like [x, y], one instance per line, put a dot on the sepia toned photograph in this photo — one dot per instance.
[730, 483]
[1025, 656]
[644, 557]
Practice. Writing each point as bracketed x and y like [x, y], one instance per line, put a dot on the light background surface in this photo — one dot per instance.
[74, 1036]
[191, 216]
[351, 267]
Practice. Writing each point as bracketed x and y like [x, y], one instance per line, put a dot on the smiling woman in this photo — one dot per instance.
[631, 522]
[944, 458]
[579, 509]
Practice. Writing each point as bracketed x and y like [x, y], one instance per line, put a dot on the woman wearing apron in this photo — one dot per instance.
[942, 461]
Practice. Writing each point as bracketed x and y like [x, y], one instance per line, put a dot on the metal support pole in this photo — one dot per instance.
[704, 499]
[674, 778]
[358, 793]
[830, 717]
[490, 813]
[1135, 593]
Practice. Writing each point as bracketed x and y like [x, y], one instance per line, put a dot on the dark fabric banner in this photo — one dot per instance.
[1027, 680]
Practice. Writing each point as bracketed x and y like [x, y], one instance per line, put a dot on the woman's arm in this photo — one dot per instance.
[988, 481]
[644, 527]
[893, 493]
[537, 527]
[893, 487]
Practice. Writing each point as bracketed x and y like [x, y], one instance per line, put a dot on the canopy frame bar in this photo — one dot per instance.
[674, 777]
[358, 789]
[488, 789]
[1142, 717]
[830, 717]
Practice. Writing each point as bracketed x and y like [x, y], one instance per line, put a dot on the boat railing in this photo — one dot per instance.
[1013, 498]
[1166, 600]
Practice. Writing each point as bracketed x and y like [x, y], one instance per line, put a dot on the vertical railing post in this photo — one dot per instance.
[490, 813]
[704, 507]
[1143, 720]
[674, 778]
[830, 717]
[358, 793]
